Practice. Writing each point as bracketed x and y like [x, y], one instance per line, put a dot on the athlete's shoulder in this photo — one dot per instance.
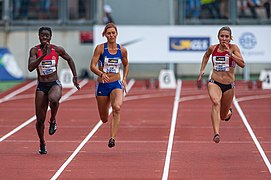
[213, 46]
[123, 49]
[233, 45]
[100, 47]
[35, 48]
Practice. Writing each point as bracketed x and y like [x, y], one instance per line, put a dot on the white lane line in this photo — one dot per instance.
[254, 138]
[14, 93]
[254, 97]
[172, 129]
[82, 144]
[64, 97]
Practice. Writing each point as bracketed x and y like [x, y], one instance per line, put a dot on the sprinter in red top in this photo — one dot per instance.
[44, 58]
[225, 56]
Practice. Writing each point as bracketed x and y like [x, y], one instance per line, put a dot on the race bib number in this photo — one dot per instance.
[221, 63]
[111, 65]
[47, 67]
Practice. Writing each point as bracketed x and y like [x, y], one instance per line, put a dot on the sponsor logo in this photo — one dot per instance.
[248, 40]
[189, 43]
[47, 63]
[219, 58]
[112, 60]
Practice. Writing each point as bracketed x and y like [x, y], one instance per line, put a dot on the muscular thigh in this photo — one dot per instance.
[116, 97]
[103, 103]
[41, 102]
[215, 92]
[55, 93]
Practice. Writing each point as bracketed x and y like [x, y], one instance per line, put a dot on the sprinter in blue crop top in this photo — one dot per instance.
[109, 89]
[225, 56]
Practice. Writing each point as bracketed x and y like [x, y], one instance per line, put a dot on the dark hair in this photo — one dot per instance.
[109, 25]
[225, 28]
[46, 29]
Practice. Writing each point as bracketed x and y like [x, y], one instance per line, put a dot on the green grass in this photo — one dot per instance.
[5, 85]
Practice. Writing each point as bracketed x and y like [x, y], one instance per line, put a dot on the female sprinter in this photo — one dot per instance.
[44, 58]
[225, 56]
[109, 88]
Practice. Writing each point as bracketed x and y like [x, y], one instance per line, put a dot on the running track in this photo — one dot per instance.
[164, 134]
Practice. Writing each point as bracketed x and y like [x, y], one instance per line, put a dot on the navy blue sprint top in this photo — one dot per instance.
[110, 62]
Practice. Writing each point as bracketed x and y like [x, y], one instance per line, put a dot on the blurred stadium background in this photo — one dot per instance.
[148, 29]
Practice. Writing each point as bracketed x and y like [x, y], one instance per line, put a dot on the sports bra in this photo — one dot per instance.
[110, 62]
[221, 60]
[48, 65]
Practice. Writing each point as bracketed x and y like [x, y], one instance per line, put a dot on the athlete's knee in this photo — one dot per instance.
[53, 101]
[116, 108]
[39, 124]
[216, 101]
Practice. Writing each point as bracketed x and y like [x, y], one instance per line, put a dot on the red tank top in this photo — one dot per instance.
[48, 65]
[222, 55]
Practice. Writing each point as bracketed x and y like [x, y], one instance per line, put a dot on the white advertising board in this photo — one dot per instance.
[187, 44]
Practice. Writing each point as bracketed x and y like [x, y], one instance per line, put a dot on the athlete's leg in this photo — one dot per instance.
[226, 102]
[41, 106]
[215, 94]
[103, 103]
[116, 98]
[54, 96]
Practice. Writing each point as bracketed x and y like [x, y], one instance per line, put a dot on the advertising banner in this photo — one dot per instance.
[187, 44]
[9, 70]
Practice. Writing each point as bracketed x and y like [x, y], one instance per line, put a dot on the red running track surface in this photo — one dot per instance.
[142, 140]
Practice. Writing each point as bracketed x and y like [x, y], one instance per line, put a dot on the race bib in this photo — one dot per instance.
[47, 67]
[111, 65]
[221, 63]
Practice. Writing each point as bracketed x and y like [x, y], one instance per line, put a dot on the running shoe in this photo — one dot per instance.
[43, 149]
[52, 128]
[227, 119]
[111, 142]
[216, 138]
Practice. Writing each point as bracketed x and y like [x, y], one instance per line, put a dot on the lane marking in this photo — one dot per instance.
[172, 129]
[255, 97]
[82, 144]
[14, 93]
[63, 98]
[254, 138]
[141, 141]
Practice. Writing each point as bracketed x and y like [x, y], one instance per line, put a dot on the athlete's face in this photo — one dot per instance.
[111, 34]
[224, 37]
[45, 37]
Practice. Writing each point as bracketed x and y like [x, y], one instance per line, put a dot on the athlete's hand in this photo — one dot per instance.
[124, 85]
[200, 75]
[228, 49]
[45, 49]
[105, 78]
[76, 84]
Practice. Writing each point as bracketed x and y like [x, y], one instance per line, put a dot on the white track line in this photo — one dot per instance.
[63, 98]
[254, 97]
[172, 129]
[14, 93]
[254, 138]
[92, 132]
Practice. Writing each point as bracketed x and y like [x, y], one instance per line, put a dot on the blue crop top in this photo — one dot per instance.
[110, 62]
